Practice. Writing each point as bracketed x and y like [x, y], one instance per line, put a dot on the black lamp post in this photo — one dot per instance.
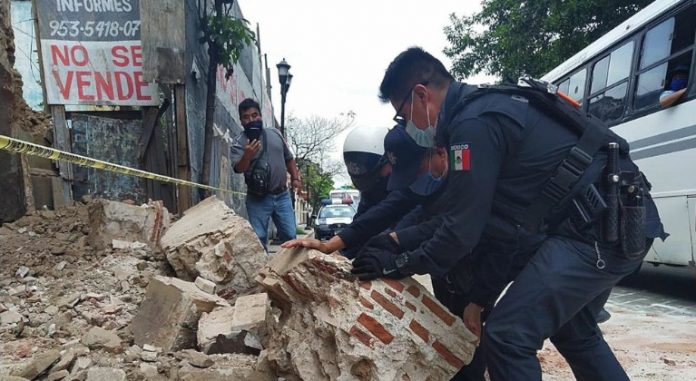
[285, 79]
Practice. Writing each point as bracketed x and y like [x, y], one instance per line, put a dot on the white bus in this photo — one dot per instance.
[619, 78]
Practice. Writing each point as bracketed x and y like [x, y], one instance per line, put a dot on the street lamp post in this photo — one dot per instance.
[285, 79]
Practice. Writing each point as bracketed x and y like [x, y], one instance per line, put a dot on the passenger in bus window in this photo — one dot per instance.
[677, 86]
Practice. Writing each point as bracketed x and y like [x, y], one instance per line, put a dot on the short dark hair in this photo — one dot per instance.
[411, 67]
[247, 104]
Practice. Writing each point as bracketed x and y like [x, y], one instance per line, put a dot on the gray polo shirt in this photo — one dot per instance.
[278, 154]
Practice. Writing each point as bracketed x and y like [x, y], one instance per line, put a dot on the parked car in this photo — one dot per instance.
[331, 219]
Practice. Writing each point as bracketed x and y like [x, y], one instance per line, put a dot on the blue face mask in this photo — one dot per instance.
[424, 138]
[678, 84]
[427, 184]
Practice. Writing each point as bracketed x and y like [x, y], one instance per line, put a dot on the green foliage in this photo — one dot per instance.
[318, 182]
[511, 37]
[225, 34]
[229, 36]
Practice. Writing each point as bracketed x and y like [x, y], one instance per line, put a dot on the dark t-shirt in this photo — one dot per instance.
[278, 154]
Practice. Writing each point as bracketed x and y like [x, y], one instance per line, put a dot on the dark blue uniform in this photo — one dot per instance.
[502, 152]
[377, 217]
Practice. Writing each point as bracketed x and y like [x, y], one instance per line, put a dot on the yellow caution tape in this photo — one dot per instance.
[19, 146]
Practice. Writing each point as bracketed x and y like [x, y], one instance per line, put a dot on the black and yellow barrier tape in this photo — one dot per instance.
[19, 146]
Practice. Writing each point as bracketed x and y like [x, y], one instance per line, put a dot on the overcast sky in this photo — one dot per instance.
[339, 49]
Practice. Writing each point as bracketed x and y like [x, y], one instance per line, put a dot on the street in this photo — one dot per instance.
[661, 290]
[651, 328]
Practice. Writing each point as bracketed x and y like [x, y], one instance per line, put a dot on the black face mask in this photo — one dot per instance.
[370, 182]
[253, 130]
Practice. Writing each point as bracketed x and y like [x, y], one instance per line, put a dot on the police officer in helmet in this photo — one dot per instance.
[522, 162]
[379, 209]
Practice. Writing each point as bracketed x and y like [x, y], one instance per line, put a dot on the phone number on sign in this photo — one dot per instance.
[94, 28]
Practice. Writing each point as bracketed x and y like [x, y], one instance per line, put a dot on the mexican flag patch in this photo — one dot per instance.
[460, 157]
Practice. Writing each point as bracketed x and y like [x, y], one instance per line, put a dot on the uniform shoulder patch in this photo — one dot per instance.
[460, 157]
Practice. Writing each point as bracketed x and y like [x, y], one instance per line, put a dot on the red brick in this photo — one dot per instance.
[447, 355]
[390, 292]
[420, 330]
[375, 328]
[361, 335]
[437, 310]
[413, 290]
[366, 303]
[395, 284]
[405, 377]
[411, 306]
[366, 285]
[387, 305]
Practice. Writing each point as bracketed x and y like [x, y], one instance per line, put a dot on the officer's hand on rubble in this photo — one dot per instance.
[472, 319]
[306, 243]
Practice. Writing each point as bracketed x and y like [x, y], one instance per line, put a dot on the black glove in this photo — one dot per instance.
[375, 264]
[383, 242]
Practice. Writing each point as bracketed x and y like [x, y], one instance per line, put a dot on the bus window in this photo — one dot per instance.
[563, 87]
[576, 88]
[656, 45]
[650, 85]
[620, 64]
[612, 68]
[683, 36]
[609, 106]
[599, 75]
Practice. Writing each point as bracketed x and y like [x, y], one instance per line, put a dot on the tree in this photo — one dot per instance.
[226, 37]
[312, 139]
[509, 38]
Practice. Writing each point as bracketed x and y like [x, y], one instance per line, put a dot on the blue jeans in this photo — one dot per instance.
[556, 296]
[276, 206]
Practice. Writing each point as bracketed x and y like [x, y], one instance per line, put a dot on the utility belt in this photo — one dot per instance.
[616, 215]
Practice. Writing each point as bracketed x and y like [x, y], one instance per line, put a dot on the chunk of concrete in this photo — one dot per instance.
[102, 374]
[113, 220]
[99, 338]
[334, 327]
[212, 242]
[227, 367]
[38, 365]
[211, 325]
[168, 316]
[205, 285]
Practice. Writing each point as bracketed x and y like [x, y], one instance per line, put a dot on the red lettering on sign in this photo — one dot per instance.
[83, 81]
[63, 87]
[104, 85]
[120, 58]
[139, 85]
[62, 54]
[137, 52]
[83, 52]
[123, 79]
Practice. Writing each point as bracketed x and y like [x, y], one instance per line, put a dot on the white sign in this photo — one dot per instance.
[92, 54]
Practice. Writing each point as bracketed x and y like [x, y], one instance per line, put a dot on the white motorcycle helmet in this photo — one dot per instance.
[363, 154]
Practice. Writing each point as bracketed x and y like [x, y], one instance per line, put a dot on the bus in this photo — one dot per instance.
[619, 79]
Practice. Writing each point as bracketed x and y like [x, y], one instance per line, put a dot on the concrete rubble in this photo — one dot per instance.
[169, 314]
[210, 241]
[239, 329]
[112, 310]
[333, 327]
[124, 226]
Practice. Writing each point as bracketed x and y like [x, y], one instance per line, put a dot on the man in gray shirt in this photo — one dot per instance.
[265, 174]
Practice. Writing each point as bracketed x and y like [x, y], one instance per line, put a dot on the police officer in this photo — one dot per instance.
[518, 166]
[423, 172]
[379, 209]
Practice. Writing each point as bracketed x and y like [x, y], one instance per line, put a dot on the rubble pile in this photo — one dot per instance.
[203, 302]
[333, 327]
[210, 241]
